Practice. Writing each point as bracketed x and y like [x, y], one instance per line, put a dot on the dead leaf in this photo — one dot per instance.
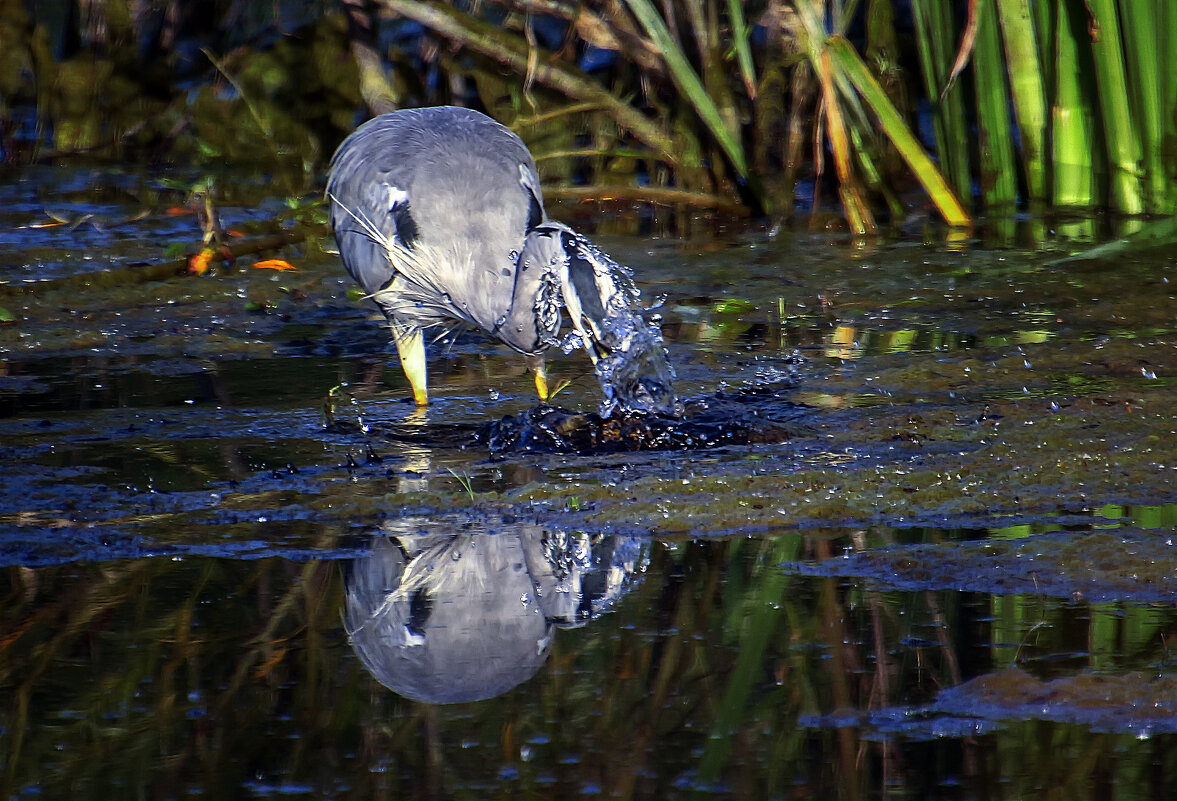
[967, 43]
[274, 264]
[199, 264]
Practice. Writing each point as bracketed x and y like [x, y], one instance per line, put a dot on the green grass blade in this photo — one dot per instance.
[1119, 129]
[1141, 25]
[689, 83]
[1029, 93]
[1168, 33]
[848, 61]
[1072, 118]
[936, 41]
[998, 165]
[1045, 29]
[735, 13]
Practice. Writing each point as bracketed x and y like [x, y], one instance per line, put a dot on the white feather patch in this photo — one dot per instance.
[396, 196]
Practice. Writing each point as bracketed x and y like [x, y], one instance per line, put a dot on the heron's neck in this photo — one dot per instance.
[521, 324]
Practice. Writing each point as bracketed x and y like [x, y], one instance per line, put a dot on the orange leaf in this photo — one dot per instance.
[198, 264]
[274, 264]
[967, 43]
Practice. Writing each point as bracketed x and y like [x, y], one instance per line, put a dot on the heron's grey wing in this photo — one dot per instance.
[369, 210]
[448, 194]
[363, 237]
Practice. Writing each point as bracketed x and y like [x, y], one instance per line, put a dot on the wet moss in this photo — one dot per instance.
[1015, 460]
[1129, 702]
[1096, 566]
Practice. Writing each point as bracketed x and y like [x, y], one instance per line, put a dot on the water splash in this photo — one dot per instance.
[600, 299]
[635, 375]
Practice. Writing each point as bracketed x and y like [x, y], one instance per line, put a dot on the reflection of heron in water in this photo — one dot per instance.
[445, 617]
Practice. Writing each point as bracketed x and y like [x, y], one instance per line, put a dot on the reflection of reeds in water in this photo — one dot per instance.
[215, 675]
[107, 668]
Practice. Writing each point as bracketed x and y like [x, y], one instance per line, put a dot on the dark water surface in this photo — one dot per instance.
[951, 574]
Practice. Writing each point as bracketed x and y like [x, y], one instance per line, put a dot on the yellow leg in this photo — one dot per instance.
[536, 364]
[410, 345]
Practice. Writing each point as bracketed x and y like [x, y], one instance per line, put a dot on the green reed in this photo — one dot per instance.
[1047, 105]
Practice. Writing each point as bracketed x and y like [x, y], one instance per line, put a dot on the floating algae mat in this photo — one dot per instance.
[711, 423]
[755, 414]
[706, 423]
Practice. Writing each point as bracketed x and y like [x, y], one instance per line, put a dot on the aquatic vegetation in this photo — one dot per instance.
[718, 104]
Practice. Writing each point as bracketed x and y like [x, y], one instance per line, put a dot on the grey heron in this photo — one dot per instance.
[439, 216]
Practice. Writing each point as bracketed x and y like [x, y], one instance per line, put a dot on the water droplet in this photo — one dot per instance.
[636, 374]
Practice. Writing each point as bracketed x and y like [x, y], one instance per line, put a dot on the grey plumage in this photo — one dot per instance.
[449, 195]
[439, 216]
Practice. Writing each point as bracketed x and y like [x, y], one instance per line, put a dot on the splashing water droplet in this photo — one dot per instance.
[636, 374]
[573, 341]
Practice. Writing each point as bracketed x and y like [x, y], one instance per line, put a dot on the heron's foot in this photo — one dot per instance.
[410, 346]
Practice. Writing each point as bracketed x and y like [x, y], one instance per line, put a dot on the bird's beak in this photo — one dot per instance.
[595, 295]
[602, 305]
[592, 340]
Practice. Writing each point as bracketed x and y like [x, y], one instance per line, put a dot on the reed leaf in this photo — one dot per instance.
[1028, 90]
[1118, 121]
[652, 194]
[1045, 18]
[997, 164]
[846, 59]
[968, 43]
[935, 39]
[687, 80]
[494, 43]
[1072, 117]
[741, 46]
[705, 22]
[857, 211]
[1168, 34]
[1141, 24]
[812, 31]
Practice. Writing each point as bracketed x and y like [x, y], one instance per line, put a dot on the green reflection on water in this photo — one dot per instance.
[210, 675]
